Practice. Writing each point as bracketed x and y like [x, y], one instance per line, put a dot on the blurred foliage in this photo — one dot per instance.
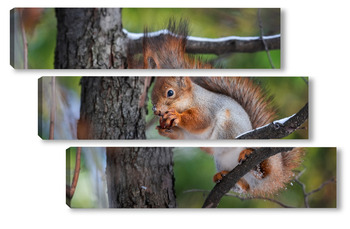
[42, 42]
[67, 106]
[211, 23]
[91, 190]
[40, 27]
[194, 170]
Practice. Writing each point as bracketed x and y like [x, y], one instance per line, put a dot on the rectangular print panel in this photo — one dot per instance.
[165, 177]
[114, 38]
[206, 108]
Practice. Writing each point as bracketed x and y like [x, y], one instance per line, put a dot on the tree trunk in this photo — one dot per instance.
[111, 108]
[114, 107]
[140, 177]
[90, 38]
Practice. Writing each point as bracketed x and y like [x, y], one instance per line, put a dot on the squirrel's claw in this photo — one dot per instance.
[218, 176]
[244, 155]
[170, 118]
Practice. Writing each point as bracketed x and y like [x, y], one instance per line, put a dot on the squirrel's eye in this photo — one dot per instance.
[170, 93]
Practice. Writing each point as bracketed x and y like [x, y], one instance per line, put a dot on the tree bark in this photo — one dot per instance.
[140, 177]
[90, 38]
[111, 108]
[114, 107]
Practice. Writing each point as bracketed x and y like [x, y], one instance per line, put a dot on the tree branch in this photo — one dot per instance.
[280, 128]
[218, 46]
[71, 189]
[52, 108]
[332, 180]
[24, 40]
[228, 181]
[263, 40]
[307, 194]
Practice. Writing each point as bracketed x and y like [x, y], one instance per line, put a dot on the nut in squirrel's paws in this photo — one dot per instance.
[169, 119]
[162, 124]
[244, 155]
[218, 176]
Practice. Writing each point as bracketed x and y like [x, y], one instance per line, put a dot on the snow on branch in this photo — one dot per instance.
[216, 46]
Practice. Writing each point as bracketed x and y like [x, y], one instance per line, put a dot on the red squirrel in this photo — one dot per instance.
[214, 108]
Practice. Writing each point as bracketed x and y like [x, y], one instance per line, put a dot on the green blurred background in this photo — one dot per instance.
[208, 22]
[194, 170]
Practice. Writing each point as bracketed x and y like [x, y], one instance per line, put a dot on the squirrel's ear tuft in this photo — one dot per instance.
[151, 63]
[183, 82]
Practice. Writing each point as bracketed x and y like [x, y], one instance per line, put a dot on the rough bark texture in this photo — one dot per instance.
[110, 108]
[90, 38]
[140, 177]
[114, 107]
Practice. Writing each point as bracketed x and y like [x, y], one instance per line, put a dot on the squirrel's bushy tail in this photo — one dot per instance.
[282, 171]
[292, 159]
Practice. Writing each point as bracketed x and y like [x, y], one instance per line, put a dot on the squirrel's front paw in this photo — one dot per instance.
[164, 131]
[170, 119]
[172, 133]
[218, 176]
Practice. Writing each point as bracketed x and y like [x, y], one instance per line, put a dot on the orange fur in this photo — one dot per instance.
[218, 176]
[278, 175]
[244, 155]
[243, 184]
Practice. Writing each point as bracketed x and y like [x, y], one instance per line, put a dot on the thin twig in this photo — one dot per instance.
[244, 197]
[332, 180]
[71, 189]
[263, 40]
[25, 43]
[261, 198]
[303, 187]
[307, 194]
[305, 80]
[53, 108]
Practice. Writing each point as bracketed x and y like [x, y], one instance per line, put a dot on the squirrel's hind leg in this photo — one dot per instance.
[260, 171]
[241, 186]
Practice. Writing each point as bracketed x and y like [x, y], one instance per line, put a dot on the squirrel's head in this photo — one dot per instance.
[171, 92]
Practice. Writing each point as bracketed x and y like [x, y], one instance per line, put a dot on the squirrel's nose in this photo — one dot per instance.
[156, 112]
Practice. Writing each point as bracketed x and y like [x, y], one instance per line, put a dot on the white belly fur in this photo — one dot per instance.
[226, 158]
